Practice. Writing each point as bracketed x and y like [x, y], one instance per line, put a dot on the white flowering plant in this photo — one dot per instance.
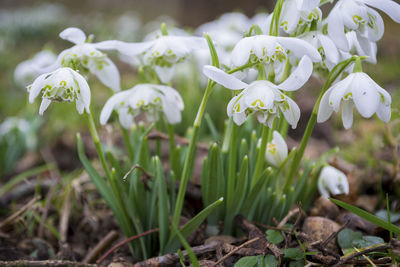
[249, 169]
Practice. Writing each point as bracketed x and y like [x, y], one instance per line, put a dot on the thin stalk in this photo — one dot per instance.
[313, 119]
[97, 144]
[128, 143]
[171, 133]
[232, 166]
[261, 157]
[189, 159]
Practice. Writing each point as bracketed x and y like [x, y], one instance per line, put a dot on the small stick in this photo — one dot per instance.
[126, 241]
[354, 255]
[101, 246]
[48, 263]
[235, 250]
[14, 216]
[64, 218]
[136, 167]
[287, 217]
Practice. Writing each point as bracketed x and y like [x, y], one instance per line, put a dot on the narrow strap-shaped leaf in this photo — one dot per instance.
[163, 222]
[191, 226]
[367, 216]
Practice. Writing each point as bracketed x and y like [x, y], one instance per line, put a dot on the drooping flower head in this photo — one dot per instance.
[263, 98]
[86, 58]
[61, 85]
[297, 13]
[277, 150]
[332, 181]
[356, 90]
[162, 53]
[358, 16]
[148, 98]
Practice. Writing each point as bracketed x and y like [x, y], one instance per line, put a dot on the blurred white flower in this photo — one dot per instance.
[297, 13]
[263, 97]
[149, 98]
[61, 85]
[332, 181]
[21, 126]
[277, 150]
[162, 53]
[28, 70]
[86, 58]
[358, 16]
[356, 90]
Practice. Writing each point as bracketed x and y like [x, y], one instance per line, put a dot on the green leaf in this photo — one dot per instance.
[274, 236]
[367, 216]
[163, 222]
[394, 216]
[293, 254]
[346, 237]
[271, 261]
[191, 226]
[299, 263]
[249, 261]
[192, 256]
[367, 241]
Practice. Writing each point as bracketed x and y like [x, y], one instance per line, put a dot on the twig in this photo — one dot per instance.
[14, 216]
[100, 247]
[235, 250]
[154, 134]
[366, 251]
[136, 167]
[126, 241]
[64, 218]
[48, 263]
[288, 216]
[171, 259]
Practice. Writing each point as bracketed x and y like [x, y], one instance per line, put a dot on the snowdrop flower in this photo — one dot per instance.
[149, 98]
[28, 70]
[61, 85]
[297, 13]
[325, 46]
[162, 53]
[273, 50]
[14, 125]
[85, 57]
[361, 47]
[357, 15]
[263, 98]
[277, 150]
[332, 181]
[356, 90]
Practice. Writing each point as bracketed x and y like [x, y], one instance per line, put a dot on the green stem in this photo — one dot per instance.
[333, 75]
[232, 165]
[97, 144]
[189, 159]
[171, 133]
[128, 143]
[261, 156]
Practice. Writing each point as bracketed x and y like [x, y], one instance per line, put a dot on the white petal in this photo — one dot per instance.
[300, 48]
[74, 35]
[329, 47]
[84, 89]
[109, 75]
[194, 43]
[241, 52]
[80, 106]
[291, 114]
[44, 105]
[128, 49]
[171, 112]
[227, 80]
[164, 73]
[365, 96]
[375, 33]
[325, 110]
[298, 77]
[347, 114]
[111, 103]
[239, 118]
[339, 90]
[125, 118]
[389, 7]
[336, 29]
[290, 16]
[384, 110]
[36, 87]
